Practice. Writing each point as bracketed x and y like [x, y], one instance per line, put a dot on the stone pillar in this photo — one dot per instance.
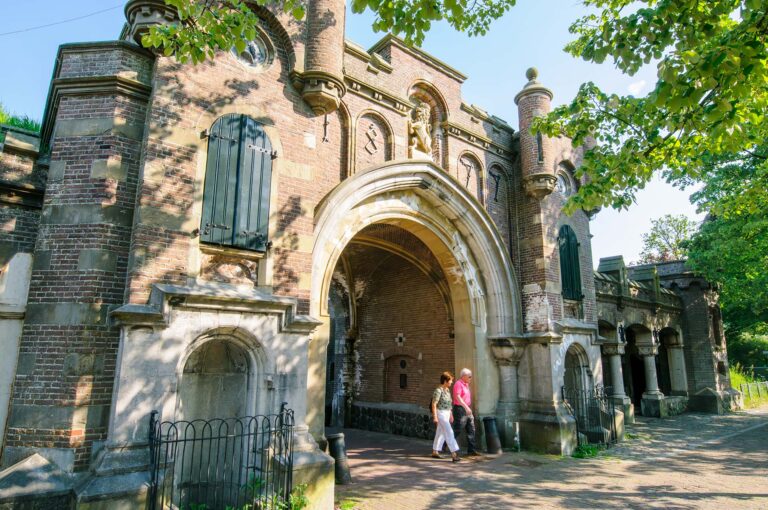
[508, 353]
[545, 423]
[620, 398]
[677, 374]
[653, 399]
[94, 126]
[539, 281]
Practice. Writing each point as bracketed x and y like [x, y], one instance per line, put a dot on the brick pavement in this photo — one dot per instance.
[687, 462]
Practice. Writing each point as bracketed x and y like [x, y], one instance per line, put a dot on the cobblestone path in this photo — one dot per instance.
[686, 462]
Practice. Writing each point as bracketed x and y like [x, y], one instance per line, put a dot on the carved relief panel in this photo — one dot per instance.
[469, 173]
[229, 269]
[373, 144]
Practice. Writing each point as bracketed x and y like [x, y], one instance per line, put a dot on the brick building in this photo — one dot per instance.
[314, 223]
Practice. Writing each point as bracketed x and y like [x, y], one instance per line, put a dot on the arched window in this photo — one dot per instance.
[238, 179]
[570, 270]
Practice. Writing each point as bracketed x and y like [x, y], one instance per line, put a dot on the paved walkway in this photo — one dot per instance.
[685, 462]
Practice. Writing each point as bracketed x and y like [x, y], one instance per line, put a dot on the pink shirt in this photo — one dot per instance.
[460, 388]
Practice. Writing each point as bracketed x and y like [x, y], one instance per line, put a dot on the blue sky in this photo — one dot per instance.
[533, 33]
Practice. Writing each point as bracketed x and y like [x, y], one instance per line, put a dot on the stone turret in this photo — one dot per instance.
[322, 82]
[536, 154]
[142, 14]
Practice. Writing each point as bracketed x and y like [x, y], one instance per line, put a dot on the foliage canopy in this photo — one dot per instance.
[731, 248]
[666, 239]
[211, 25]
[710, 97]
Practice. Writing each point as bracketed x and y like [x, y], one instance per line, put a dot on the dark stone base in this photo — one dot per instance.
[547, 427]
[664, 406]
[390, 419]
[710, 401]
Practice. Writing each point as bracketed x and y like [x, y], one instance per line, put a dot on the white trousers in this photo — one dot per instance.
[444, 432]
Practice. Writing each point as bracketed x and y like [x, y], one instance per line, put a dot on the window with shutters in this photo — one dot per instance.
[570, 270]
[238, 178]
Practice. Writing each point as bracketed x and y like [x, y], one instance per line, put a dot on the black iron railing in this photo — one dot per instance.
[595, 414]
[234, 463]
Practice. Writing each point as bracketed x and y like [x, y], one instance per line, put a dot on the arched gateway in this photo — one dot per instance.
[421, 205]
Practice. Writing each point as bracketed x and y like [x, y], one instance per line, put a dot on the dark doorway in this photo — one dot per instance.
[637, 370]
[634, 375]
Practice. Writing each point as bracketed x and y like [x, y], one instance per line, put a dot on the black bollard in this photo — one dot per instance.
[492, 435]
[338, 451]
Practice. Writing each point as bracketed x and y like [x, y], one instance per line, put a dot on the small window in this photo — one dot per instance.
[565, 184]
[256, 55]
[570, 268]
[238, 179]
[403, 381]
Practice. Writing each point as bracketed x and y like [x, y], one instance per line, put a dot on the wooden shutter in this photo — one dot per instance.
[570, 268]
[237, 184]
[252, 217]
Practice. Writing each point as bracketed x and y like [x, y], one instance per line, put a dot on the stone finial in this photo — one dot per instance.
[533, 86]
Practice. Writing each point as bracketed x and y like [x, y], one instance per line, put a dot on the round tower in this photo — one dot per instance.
[536, 154]
[142, 14]
[323, 77]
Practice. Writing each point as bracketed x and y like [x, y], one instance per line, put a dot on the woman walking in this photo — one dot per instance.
[442, 416]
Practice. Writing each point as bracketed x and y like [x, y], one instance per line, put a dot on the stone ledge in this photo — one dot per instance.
[213, 297]
[34, 478]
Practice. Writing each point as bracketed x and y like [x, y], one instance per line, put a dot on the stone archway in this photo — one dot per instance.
[577, 377]
[422, 199]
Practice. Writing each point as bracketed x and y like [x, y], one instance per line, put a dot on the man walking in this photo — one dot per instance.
[462, 411]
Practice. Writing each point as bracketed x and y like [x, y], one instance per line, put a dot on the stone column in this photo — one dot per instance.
[653, 398]
[677, 374]
[508, 353]
[620, 398]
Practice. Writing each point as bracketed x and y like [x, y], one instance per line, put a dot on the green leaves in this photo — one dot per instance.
[211, 25]
[206, 27]
[667, 238]
[731, 248]
[710, 97]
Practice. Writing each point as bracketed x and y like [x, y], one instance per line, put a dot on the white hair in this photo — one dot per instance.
[464, 371]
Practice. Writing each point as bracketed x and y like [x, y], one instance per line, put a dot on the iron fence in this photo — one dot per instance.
[229, 464]
[595, 415]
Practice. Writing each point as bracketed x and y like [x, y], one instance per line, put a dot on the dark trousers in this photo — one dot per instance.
[463, 421]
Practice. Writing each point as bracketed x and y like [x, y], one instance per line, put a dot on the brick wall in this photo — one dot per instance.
[400, 299]
[63, 386]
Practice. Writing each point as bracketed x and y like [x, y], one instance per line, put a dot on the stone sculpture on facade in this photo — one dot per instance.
[420, 145]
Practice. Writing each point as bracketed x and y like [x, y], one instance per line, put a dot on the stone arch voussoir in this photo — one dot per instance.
[424, 195]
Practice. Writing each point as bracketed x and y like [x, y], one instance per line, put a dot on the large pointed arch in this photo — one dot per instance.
[421, 193]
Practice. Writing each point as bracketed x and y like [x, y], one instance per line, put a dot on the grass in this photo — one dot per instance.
[19, 121]
[586, 451]
[738, 377]
[640, 436]
[346, 504]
